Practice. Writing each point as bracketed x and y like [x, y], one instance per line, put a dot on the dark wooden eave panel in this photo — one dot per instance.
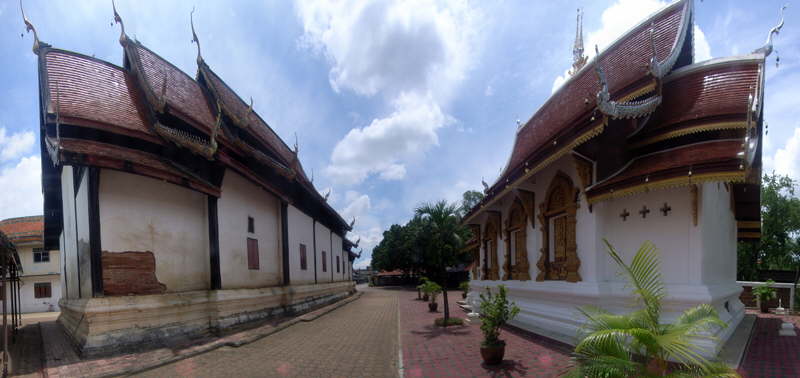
[103, 155]
[712, 96]
[714, 157]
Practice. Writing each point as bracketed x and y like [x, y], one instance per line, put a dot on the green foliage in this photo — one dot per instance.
[470, 199]
[765, 292]
[432, 289]
[450, 321]
[464, 286]
[496, 311]
[779, 246]
[609, 342]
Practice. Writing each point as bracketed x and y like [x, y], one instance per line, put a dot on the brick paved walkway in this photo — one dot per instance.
[430, 351]
[356, 340]
[771, 355]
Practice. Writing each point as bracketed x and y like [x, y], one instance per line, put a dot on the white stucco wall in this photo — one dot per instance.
[301, 231]
[38, 272]
[143, 214]
[338, 251]
[698, 263]
[83, 232]
[241, 199]
[324, 243]
[70, 247]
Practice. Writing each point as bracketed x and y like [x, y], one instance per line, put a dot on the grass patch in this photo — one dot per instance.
[450, 321]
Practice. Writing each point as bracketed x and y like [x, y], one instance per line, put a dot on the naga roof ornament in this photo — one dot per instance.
[621, 110]
[194, 36]
[37, 44]
[767, 48]
[118, 20]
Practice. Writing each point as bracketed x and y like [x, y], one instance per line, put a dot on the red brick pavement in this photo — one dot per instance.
[430, 351]
[771, 355]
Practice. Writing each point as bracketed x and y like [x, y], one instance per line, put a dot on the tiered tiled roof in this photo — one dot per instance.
[23, 230]
[660, 119]
[150, 118]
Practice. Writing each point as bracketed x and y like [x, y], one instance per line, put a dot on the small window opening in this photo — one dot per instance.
[251, 225]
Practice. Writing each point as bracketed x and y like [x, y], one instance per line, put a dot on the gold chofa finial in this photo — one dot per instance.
[194, 36]
[29, 28]
[118, 20]
[578, 59]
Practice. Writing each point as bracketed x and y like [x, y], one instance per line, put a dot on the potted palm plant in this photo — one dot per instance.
[464, 287]
[639, 344]
[431, 289]
[496, 311]
[764, 293]
[422, 281]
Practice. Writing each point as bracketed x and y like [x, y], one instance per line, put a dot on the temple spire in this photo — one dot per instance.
[117, 19]
[578, 59]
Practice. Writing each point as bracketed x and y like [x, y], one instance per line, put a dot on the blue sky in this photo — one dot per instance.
[393, 102]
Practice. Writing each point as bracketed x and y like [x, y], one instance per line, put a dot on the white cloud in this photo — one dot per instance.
[702, 51]
[385, 144]
[15, 145]
[787, 159]
[391, 46]
[622, 16]
[414, 53]
[22, 191]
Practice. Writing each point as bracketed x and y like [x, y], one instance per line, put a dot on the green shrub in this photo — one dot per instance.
[432, 289]
[765, 292]
[450, 321]
[496, 311]
[464, 286]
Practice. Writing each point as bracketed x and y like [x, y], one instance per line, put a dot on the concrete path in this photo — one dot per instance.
[355, 340]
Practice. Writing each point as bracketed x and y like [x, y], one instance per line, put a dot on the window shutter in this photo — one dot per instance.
[252, 253]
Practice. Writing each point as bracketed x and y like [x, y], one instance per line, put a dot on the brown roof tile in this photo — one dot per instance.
[89, 92]
[625, 63]
[24, 229]
[184, 96]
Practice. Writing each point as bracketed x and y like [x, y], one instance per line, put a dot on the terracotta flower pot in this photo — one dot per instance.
[764, 307]
[463, 295]
[493, 355]
[425, 297]
[432, 306]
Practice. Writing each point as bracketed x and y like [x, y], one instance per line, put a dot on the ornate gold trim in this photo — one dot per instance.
[568, 270]
[670, 183]
[691, 130]
[638, 92]
[584, 169]
[748, 224]
[749, 235]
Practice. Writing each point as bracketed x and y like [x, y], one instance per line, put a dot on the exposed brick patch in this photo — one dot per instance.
[126, 273]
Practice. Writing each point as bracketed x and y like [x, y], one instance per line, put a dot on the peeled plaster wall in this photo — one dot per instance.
[241, 199]
[324, 244]
[70, 245]
[301, 231]
[82, 222]
[142, 214]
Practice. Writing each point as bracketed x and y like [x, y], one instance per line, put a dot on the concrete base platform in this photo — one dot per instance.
[110, 325]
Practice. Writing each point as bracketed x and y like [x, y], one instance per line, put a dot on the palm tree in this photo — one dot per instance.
[441, 241]
[638, 344]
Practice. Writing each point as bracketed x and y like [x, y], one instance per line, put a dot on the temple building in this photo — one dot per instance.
[177, 209]
[640, 143]
[40, 277]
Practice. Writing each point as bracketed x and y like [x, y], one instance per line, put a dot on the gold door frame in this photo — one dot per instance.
[561, 199]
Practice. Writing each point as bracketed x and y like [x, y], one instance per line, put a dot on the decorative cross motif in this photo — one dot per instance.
[644, 211]
[624, 215]
[665, 209]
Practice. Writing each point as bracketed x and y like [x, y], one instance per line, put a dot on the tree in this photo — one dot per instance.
[779, 246]
[610, 342]
[441, 241]
[470, 199]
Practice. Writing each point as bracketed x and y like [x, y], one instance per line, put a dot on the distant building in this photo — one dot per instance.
[40, 281]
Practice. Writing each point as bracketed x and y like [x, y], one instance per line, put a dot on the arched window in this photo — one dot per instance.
[559, 252]
[516, 266]
[490, 266]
